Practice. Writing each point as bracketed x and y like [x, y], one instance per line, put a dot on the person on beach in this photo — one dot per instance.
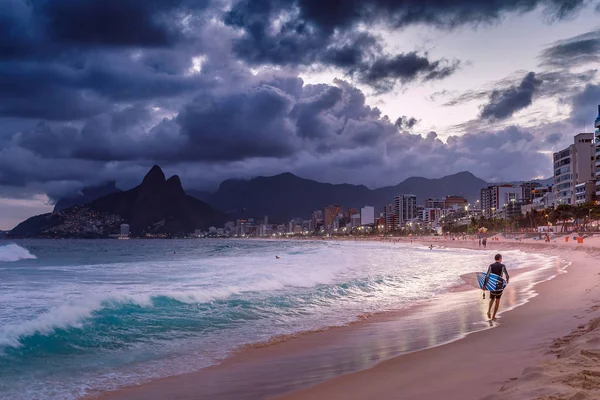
[484, 242]
[499, 269]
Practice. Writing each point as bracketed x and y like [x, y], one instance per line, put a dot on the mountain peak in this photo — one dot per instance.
[465, 174]
[154, 177]
[174, 184]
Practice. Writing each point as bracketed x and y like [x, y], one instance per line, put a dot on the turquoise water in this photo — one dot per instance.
[81, 316]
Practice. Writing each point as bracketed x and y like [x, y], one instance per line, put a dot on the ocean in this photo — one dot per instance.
[81, 316]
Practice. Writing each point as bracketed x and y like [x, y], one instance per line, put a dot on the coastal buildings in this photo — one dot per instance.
[597, 153]
[316, 220]
[367, 215]
[329, 215]
[455, 203]
[435, 202]
[355, 221]
[572, 166]
[585, 192]
[431, 216]
[494, 199]
[350, 212]
[389, 214]
[405, 208]
[528, 191]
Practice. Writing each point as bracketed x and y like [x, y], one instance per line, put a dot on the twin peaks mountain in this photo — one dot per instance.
[157, 206]
[160, 206]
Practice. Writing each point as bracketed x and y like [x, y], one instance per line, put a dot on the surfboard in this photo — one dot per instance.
[495, 282]
[476, 279]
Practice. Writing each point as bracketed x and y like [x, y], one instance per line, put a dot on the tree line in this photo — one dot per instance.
[565, 216]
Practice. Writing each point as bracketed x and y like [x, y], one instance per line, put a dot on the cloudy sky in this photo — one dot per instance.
[358, 91]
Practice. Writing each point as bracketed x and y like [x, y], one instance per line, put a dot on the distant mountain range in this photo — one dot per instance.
[156, 206]
[286, 196]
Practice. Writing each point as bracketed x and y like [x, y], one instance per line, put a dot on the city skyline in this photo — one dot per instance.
[370, 93]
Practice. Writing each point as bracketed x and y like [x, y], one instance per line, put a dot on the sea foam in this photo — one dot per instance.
[12, 252]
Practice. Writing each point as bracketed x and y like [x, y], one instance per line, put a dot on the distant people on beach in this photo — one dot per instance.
[484, 242]
[430, 247]
[277, 257]
[479, 242]
[499, 269]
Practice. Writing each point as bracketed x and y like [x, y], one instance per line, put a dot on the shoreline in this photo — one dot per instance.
[187, 386]
[516, 366]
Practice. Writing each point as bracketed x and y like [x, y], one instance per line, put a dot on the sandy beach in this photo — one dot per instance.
[546, 349]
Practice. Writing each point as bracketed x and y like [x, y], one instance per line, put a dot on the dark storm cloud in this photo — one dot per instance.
[344, 137]
[272, 116]
[358, 54]
[103, 89]
[308, 31]
[115, 22]
[578, 50]
[584, 106]
[504, 103]
[339, 14]
[405, 122]
[384, 72]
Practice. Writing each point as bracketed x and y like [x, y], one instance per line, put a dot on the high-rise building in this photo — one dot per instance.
[435, 202]
[391, 220]
[431, 216]
[124, 230]
[316, 220]
[495, 198]
[529, 191]
[597, 157]
[572, 166]
[367, 215]
[585, 192]
[405, 208]
[355, 220]
[329, 214]
[350, 212]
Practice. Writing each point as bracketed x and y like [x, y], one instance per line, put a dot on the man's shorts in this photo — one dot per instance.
[495, 294]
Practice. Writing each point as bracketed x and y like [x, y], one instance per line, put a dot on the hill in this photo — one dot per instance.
[286, 196]
[88, 194]
[157, 206]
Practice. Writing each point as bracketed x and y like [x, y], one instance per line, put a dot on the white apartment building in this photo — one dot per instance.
[584, 192]
[431, 216]
[405, 208]
[572, 166]
[355, 220]
[367, 215]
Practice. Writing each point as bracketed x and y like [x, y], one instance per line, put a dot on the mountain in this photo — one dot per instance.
[157, 206]
[286, 196]
[543, 182]
[87, 194]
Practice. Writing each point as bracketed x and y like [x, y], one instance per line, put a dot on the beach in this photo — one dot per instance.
[544, 349]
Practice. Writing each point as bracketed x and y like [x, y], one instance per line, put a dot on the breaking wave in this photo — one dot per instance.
[12, 252]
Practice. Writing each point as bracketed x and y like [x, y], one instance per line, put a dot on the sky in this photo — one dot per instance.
[358, 91]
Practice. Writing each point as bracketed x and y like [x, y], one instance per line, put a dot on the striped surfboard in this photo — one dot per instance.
[494, 282]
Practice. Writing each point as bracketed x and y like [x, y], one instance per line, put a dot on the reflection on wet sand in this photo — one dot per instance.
[310, 359]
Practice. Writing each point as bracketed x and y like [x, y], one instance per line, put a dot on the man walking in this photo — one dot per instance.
[499, 269]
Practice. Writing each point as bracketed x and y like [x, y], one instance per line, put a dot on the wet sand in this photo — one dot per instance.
[470, 368]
